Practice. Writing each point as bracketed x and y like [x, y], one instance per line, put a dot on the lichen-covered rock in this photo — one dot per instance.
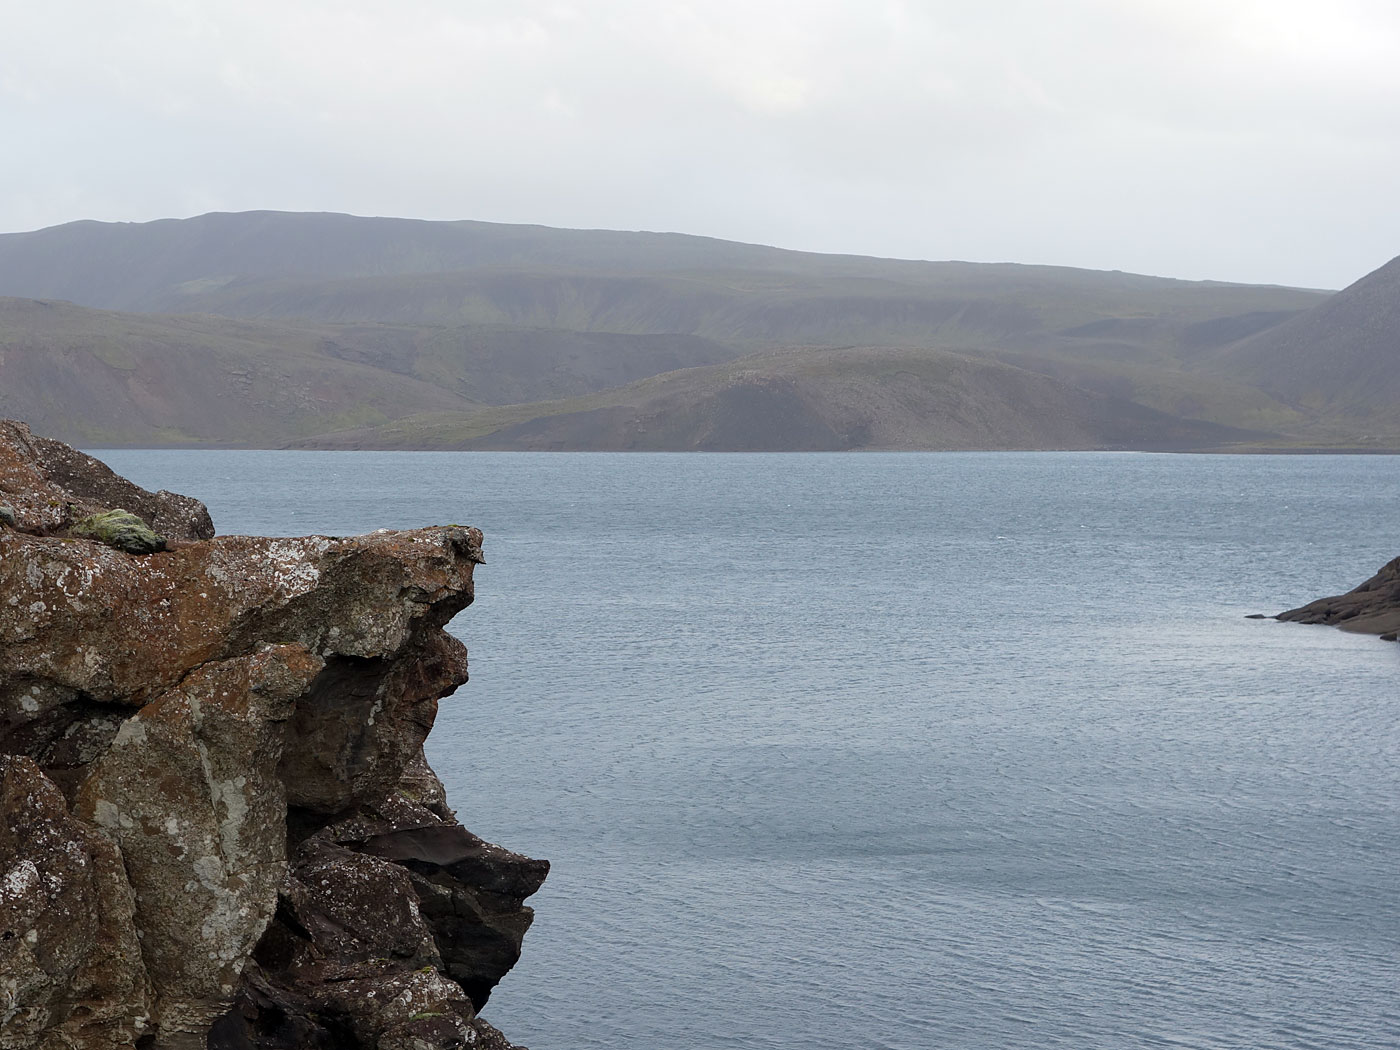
[1371, 608]
[120, 529]
[71, 972]
[189, 789]
[79, 618]
[219, 829]
[48, 485]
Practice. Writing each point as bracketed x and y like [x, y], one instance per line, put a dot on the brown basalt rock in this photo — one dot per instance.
[353, 909]
[1371, 608]
[50, 485]
[80, 617]
[71, 972]
[219, 827]
[469, 892]
[393, 889]
[363, 720]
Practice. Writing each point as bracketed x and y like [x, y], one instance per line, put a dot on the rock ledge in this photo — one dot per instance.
[217, 828]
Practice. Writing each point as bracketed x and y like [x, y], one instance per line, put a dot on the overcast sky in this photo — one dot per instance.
[1249, 140]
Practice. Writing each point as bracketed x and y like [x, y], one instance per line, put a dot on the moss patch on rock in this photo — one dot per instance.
[120, 529]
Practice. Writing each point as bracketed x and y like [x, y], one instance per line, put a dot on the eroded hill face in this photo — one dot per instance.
[217, 824]
[816, 400]
[1339, 360]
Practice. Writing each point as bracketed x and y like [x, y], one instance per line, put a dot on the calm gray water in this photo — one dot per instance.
[909, 750]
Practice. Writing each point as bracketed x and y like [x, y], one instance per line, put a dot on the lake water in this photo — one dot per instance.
[909, 750]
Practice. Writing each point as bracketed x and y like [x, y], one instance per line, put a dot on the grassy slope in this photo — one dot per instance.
[1017, 309]
[101, 377]
[498, 364]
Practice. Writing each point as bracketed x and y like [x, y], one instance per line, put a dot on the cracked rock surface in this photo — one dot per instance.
[218, 829]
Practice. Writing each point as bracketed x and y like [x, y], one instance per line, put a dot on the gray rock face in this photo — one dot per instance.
[219, 830]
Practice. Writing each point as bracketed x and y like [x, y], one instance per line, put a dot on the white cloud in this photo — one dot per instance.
[1246, 140]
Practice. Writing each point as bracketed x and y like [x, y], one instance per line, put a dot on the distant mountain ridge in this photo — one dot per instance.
[410, 320]
[336, 245]
[134, 266]
[324, 266]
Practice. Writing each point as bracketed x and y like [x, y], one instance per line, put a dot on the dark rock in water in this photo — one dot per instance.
[216, 824]
[1372, 608]
[1389, 636]
[120, 529]
[1256, 616]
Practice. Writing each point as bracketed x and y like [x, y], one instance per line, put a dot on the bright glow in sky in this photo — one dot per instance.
[1228, 139]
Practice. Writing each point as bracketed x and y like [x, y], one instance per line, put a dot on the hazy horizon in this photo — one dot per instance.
[683, 233]
[1249, 143]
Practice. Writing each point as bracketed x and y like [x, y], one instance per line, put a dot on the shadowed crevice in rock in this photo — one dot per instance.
[218, 826]
[364, 719]
[67, 738]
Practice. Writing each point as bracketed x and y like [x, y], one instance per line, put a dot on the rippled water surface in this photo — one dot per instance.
[909, 750]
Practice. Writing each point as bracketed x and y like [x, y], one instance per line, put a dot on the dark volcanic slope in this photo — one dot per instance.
[812, 400]
[1342, 357]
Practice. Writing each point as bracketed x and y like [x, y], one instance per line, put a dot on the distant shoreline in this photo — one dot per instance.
[1310, 451]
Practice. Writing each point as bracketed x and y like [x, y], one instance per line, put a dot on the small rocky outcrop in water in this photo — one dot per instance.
[217, 828]
[1372, 608]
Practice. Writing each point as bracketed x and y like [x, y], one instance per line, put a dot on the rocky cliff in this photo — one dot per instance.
[217, 828]
[1371, 608]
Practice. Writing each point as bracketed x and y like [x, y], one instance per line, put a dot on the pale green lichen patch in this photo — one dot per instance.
[120, 529]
